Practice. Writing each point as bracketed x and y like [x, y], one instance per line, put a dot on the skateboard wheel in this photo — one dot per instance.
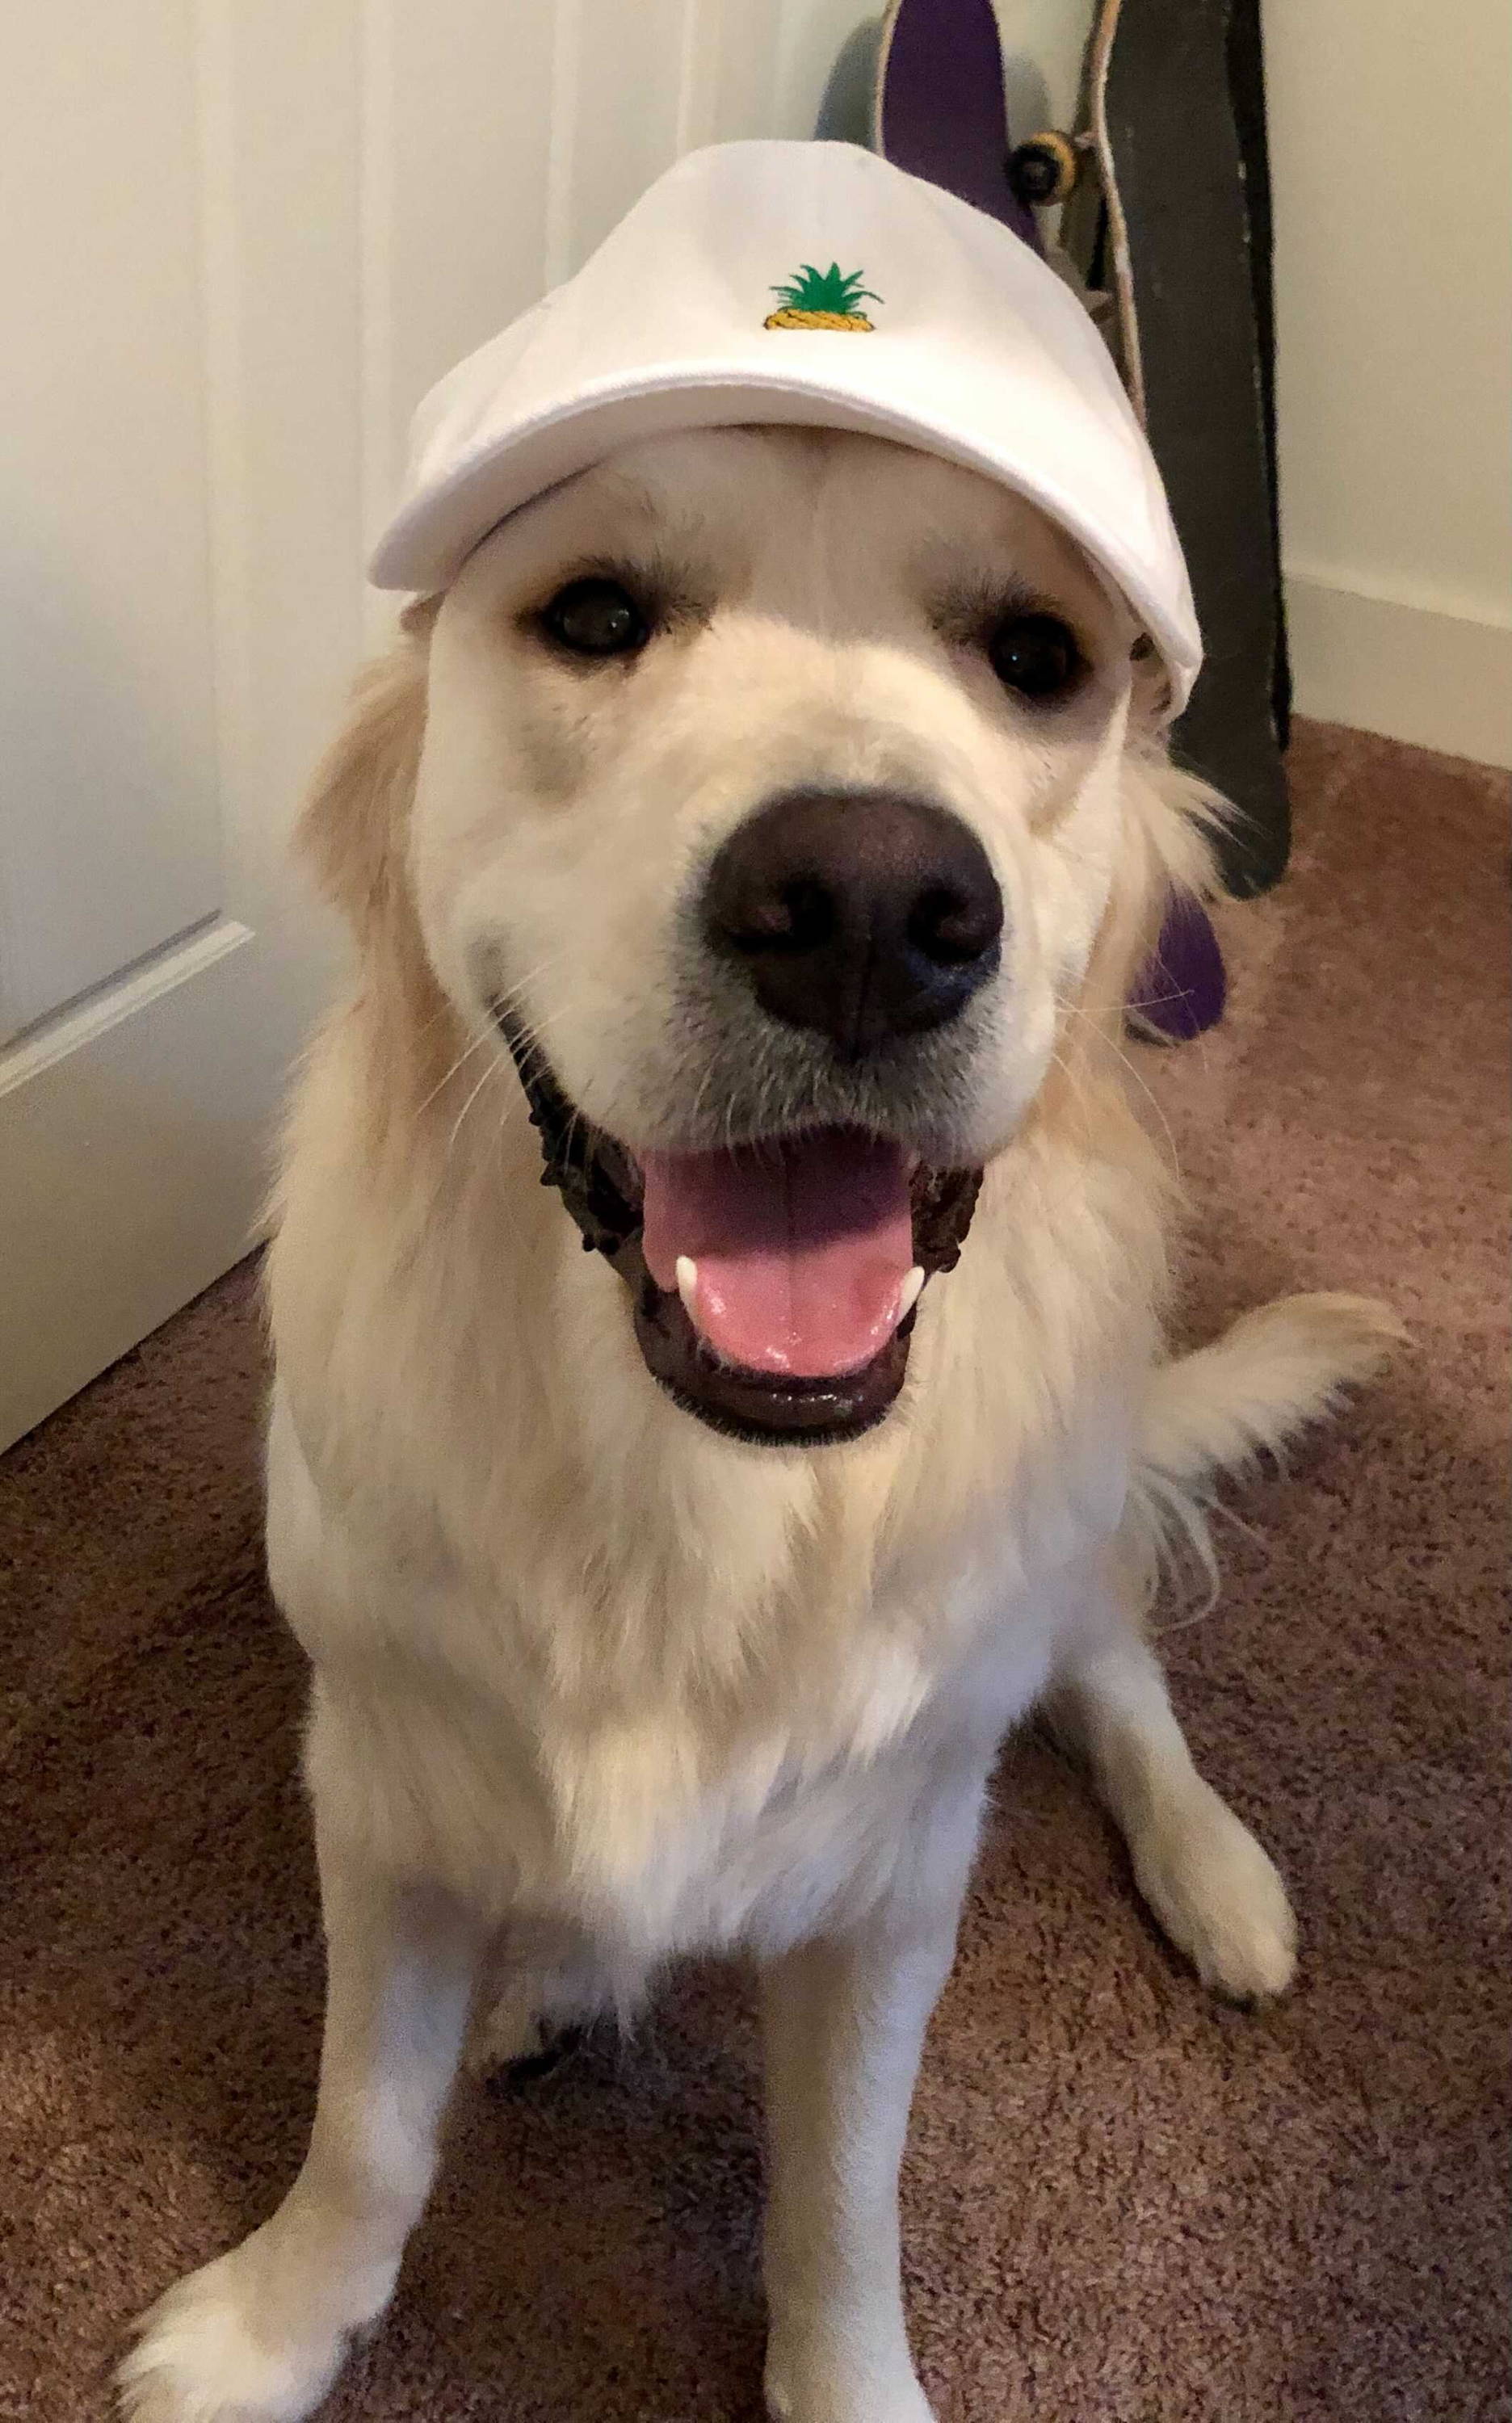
[1044, 169]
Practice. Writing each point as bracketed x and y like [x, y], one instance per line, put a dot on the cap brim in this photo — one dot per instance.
[431, 538]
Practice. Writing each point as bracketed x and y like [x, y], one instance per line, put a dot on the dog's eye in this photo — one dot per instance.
[1036, 654]
[595, 618]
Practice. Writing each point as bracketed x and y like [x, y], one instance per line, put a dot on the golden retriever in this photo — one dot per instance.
[789, 810]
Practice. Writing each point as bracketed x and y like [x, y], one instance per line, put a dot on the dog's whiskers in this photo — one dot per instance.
[1074, 1009]
[479, 1041]
[488, 1037]
[460, 1062]
[494, 1069]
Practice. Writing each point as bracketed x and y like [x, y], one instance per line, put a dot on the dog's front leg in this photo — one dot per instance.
[258, 2336]
[844, 2018]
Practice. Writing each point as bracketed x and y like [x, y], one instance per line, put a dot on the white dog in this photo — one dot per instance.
[788, 807]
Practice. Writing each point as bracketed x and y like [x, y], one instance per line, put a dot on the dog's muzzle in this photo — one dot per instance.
[604, 1192]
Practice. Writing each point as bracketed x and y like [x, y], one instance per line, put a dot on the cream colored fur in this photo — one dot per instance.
[591, 1685]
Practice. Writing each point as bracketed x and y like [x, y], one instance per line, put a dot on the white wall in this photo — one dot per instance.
[1391, 132]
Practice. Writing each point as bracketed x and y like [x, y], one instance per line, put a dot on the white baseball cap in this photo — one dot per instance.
[811, 283]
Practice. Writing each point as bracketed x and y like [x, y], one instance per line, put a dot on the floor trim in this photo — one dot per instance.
[1406, 669]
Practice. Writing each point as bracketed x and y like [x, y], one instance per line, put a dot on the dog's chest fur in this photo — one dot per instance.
[579, 1656]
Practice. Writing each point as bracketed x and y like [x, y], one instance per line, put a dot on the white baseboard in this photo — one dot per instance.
[1441, 680]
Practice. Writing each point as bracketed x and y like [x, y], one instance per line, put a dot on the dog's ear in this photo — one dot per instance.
[1170, 819]
[1150, 691]
[354, 830]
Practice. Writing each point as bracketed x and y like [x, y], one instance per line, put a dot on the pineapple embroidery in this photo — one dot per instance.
[822, 298]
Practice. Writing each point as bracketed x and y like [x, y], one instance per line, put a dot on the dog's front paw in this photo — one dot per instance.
[1218, 1897]
[826, 2381]
[201, 2356]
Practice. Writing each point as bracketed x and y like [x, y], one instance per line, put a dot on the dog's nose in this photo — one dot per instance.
[860, 914]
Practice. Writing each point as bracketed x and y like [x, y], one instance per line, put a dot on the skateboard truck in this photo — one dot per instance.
[1044, 170]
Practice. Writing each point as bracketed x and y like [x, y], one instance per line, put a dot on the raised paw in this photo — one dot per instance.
[1218, 1896]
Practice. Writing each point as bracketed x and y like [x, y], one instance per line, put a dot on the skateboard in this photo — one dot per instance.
[939, 107]
[1163, 194]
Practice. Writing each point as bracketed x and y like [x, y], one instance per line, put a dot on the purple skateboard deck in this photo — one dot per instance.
[940, 106]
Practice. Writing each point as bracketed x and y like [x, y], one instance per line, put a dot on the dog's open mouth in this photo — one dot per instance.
[783, 1279]
[774, 1284]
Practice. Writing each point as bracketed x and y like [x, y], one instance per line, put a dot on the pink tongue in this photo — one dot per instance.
[802, 1247]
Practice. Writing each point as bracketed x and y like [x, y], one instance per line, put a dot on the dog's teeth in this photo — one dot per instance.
[908, 1294]
[688, 1281]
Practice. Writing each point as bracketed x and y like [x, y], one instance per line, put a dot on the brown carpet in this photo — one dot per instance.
[1123, 2205]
